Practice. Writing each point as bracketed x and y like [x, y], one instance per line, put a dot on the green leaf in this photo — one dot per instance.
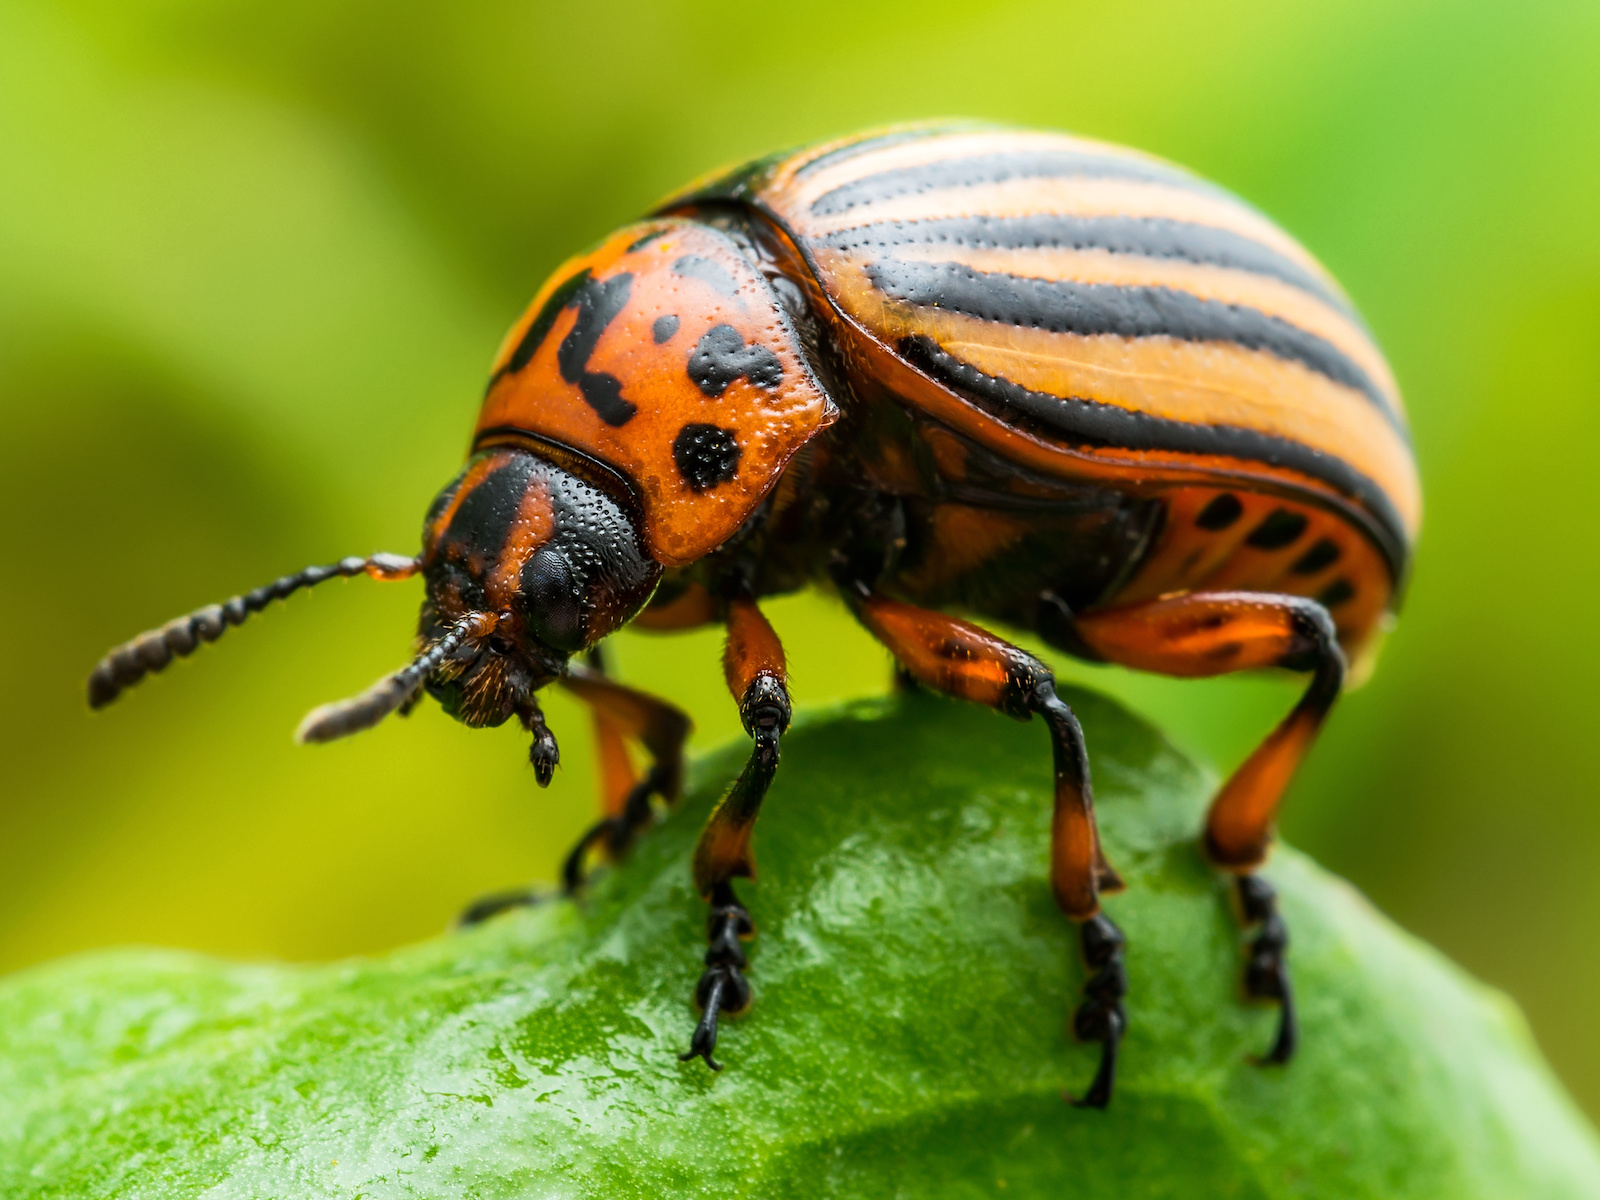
[913, 982]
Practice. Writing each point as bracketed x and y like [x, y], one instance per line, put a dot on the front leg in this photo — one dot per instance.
[620, 712]
[753, 664]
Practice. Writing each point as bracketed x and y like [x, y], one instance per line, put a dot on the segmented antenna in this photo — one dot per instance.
[392, 691]
[153, 650]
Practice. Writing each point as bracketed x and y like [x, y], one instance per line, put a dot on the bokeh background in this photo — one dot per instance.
[255, 257]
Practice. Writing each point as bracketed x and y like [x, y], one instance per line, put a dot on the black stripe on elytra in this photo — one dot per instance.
[977, 169]
[1091, 423]
[598, 302]
[1133, 312]
[693, 266]
[1147, 237]
[866, 146]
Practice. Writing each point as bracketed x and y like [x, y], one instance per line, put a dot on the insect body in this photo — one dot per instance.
[1043, 381]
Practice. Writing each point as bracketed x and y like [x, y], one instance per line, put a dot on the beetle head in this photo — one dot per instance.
[527, 563]
[552, 562]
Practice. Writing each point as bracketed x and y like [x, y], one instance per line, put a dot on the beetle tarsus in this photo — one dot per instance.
[1266, 975]
[1101, 1017]
[616, 833]
[492, 905]
[722, 987]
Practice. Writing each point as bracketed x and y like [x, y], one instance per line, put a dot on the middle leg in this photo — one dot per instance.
[964, 661]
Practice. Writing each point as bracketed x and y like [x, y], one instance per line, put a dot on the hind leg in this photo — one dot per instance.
[1214, 633]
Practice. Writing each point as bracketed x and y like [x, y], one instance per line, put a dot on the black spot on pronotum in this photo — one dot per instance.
[663, 328]
[721, 356]
[598, 302]
[693, 266]
[1223, 511]
[1324, 554]
[1280, 529]
[542, 324]
[1336, 593]
[706, 455]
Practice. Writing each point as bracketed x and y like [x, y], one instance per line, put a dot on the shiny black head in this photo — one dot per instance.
[555, 561]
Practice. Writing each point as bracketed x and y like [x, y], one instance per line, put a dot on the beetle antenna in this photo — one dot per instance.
[153, 650]
[392, 691]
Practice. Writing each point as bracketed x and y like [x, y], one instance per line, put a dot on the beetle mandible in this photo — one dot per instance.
[1045, 381]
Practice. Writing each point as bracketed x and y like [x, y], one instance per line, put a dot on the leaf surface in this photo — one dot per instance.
[913, 982]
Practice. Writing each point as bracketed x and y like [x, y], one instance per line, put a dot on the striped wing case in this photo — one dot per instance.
[1146, 325]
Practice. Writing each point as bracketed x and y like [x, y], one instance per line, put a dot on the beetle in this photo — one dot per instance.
[1044, 381]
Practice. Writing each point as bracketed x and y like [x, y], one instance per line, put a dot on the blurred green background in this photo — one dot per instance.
[255, 257]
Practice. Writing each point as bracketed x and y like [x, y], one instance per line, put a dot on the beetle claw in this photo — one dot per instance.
[492, 905]
[722, 987]
[1101, 1017]
[1266, 975]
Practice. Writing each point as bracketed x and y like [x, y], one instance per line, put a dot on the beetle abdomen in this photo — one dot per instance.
[1100, 300]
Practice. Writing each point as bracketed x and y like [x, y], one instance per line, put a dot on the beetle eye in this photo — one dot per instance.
[555, 609]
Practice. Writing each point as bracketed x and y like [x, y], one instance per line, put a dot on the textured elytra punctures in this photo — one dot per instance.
[913, 984]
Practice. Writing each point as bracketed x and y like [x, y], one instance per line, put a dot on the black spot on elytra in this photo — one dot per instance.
[706, 455]
[692, 266]
[1336, 593]
[1324, 554]
[721, 356]
[663, 328]
[1281, 528]
[598, 302]
[1223, 511]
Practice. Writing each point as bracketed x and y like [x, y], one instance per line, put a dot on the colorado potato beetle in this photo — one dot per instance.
[1040, 380]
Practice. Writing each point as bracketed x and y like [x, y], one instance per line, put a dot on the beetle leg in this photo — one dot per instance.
[544, 754]
[966, 662]
[1214, 633]
[621, 712]
[753, 664]
[617, 779]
